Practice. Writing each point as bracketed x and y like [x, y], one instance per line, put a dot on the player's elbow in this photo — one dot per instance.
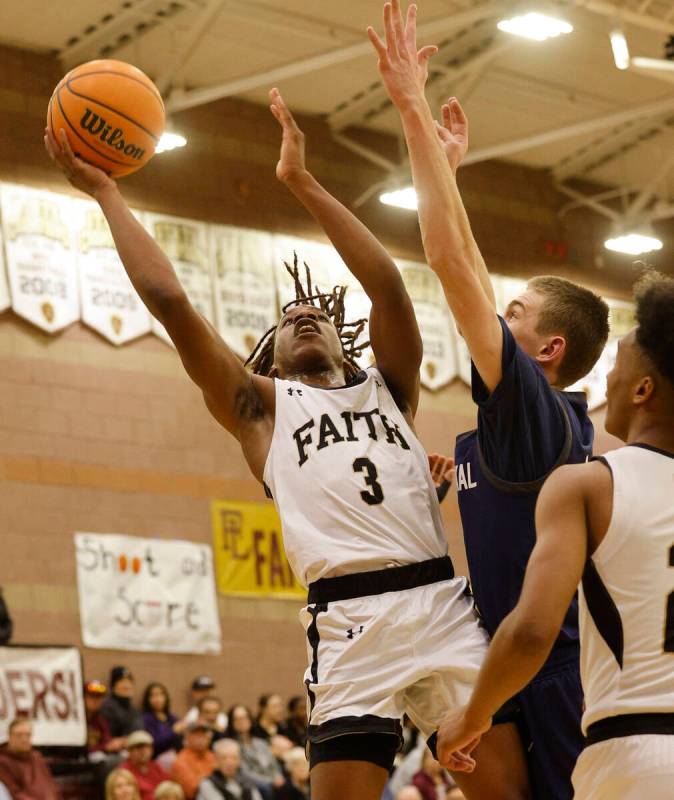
[448, 261]
[168, 303]
[533, 637]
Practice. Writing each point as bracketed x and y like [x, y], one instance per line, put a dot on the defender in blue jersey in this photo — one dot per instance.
[550, 337]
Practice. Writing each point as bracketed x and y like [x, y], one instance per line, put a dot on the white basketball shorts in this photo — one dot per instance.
[374, 658]
[627, 768]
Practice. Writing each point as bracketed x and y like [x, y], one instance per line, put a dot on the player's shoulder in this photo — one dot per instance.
[579, 480]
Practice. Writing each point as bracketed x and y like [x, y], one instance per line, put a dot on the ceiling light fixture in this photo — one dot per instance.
[653, 63]
[633, 244]
[401, 198]
[621, 53]
[169, 141]
[533, 25]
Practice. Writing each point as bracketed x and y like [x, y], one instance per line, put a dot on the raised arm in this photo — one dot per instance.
[526, 636]
[233, 395]
[446, 233]
[394, 333]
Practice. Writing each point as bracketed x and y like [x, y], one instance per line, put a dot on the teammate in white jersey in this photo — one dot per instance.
[608, 524]
[389, 628]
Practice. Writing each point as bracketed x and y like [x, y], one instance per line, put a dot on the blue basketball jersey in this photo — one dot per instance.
[525, 429]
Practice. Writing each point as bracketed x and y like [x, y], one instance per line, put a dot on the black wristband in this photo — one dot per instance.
[443, 489]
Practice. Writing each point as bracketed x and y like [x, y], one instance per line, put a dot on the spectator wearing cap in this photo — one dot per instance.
[118, 709]
[99, 738]
[23, 770]
[196, 760]
[164, 727]
[226, 782]
[148, 773]
[203, 686]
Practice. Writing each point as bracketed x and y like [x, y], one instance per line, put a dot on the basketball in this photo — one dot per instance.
[112, 113]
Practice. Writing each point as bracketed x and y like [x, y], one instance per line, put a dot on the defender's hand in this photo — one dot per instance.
[458, 736]
[403, 68]
[442, 469]
[292, 161]
[453, 132]
[82, 176]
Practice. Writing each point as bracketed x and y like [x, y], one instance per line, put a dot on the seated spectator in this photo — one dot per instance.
[169, 790]
[195, 761]
[139, 762]
[164, 727]
[407, 768]
[432, 780]
[296, 786]
[409, 793]
[295, 726]
[202, 687]
[226, 782]
[269, 716]
[210, 711]
[23, 770]
[118, 709]
[99, 739]
[280, 746]
[257, 759]
[121, 785]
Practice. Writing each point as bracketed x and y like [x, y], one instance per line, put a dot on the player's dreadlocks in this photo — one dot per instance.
[331, 303]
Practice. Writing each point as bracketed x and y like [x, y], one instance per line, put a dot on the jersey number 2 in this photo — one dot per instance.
[375, 493]
[669, 621]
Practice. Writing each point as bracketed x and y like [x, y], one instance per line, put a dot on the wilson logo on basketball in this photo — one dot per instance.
[113, 137]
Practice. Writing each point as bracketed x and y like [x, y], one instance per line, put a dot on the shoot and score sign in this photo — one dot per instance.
[249, 555]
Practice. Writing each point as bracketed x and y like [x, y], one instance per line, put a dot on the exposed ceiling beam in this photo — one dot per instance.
[641, 20]
[191, 39]
[566, 132]
[648, 192]
[590, 202]
[180, 100]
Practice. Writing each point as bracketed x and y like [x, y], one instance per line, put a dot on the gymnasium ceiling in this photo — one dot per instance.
[559, 104]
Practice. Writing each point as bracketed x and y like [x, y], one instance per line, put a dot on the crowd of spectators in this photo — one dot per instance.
[150, 753]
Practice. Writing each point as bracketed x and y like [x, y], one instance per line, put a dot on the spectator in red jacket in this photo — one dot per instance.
[432, 780]
[22, 769]
[147, 772]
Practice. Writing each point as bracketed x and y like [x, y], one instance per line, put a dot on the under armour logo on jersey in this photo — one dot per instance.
[295, 391]
[350, 634]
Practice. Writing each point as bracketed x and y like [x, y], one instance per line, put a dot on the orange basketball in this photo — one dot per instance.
[112, 114]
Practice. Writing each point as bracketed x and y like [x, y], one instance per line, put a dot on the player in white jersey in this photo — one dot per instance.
[389, 628]
[608, 524]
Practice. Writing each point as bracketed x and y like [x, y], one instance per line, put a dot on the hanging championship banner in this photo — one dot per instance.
[146, 594]
[185, 242]
[5, 301]
[40, 256]
[327, 271]
[438, 367]
[249, 555]
[245, 291]
[45, 684]
[110, 304]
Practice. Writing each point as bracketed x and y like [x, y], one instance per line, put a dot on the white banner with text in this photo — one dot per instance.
[146, 594]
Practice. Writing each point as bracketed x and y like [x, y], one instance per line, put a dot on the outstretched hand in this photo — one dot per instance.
[292, 161]
[457, 738]
[453, 132]
[442, 469]
[82, 176]
[403, 68]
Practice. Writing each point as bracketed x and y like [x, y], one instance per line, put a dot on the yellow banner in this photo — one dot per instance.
[249, 555]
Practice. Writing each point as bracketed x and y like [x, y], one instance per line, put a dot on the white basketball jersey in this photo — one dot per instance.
[627, 593]
[350, 481]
